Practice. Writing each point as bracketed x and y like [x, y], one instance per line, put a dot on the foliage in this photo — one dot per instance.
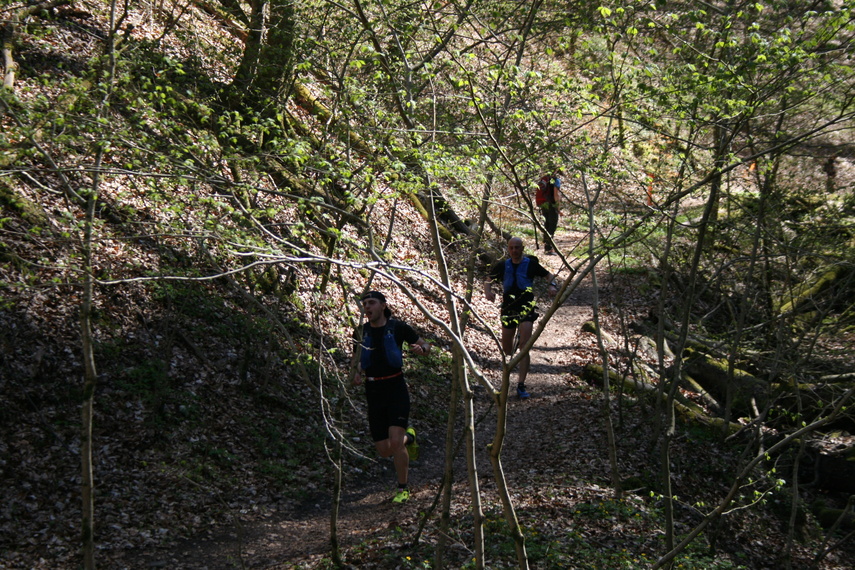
[250, 189]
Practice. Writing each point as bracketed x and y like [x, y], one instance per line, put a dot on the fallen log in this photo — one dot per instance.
[647, 345]
[591, 327]
[801, 298]
[710, 402]
[687, 410]
[830, 516]
[833, 378]
[593, 373]
[712, 374]
[8, 31]
[30, 211]
[695, 415]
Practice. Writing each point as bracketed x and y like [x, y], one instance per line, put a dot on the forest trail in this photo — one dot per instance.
[536, 426]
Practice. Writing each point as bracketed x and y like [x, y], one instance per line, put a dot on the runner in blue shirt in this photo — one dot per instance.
[516, 275]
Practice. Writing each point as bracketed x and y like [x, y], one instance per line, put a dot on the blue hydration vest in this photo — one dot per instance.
[520, 276]
[394, 357]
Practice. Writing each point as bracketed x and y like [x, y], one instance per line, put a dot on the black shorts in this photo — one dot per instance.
[388, 405]
[514, 320]
[518, 313]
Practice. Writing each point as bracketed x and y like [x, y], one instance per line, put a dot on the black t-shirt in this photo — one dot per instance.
[379, 365]
[516, 296]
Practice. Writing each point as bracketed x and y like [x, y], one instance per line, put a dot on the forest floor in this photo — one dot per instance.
[555, 460]
[551, 435]
[159, 509]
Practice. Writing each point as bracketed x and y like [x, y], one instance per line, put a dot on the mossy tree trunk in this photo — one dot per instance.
[264, 73]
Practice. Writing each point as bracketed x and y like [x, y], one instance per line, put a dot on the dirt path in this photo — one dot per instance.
[302, 533]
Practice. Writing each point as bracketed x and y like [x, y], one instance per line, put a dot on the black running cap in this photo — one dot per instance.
[374, 295]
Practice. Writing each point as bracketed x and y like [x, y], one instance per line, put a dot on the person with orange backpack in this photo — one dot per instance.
[547, 199]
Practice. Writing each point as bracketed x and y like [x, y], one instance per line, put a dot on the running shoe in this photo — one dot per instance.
[402, 496]
[413, 446]
[522, 394]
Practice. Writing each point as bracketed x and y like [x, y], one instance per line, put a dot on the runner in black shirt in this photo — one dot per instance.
[378, 362]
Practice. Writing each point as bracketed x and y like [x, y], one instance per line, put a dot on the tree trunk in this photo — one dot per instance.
[498, 472]
[87, 487]
[604, 355]
[472, 469]
[338, 472]
[457, 384]
[461, 376]
[7, 37]
[263, 74]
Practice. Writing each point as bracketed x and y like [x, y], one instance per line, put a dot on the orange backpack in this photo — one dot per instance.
[544, 186]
